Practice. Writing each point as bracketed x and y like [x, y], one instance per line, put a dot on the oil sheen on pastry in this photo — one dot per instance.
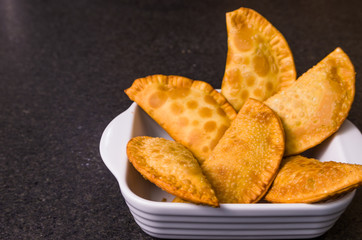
[245, 161]
[259, 62]
[191, 112]
[172, 167]
[316, 105]
[307, 180]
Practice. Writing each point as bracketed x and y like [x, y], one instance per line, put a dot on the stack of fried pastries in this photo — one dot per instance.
[229, 146]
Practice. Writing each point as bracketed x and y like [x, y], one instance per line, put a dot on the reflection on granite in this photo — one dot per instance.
[63, 68]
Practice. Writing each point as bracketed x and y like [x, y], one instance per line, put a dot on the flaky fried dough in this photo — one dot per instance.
[259, 62]
[172, 167]
[316, 105]
[192, 112]
[246, 159]
[307, 180]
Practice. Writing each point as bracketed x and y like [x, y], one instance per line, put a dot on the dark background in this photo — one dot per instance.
[64, 66]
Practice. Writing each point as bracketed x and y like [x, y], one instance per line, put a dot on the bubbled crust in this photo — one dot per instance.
[191, 112]
[246, 159]
[259, 61]
[307, 180]
[171, 167]
[315, 106]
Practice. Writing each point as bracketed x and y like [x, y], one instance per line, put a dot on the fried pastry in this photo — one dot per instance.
[179, 200]
[259, 62]
[245, 161]
[307, 180]
[191, 112]
[315, 106]
[172, 167]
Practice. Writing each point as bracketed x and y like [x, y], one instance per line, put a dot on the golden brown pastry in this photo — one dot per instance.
[172, 167]
[192, 112]
[315, 106]
[245, 161]
[307, 180]
[259, 62]
[179, 200]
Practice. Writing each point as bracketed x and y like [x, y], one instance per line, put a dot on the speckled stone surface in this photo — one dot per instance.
[64, 66]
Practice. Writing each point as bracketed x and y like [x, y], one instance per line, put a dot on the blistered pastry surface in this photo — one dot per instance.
[259, 62]
[317, 104]
[306, 180]
[246, 159]
[172, 167]
[192, 112]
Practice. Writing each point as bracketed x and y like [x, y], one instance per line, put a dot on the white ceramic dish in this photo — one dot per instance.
[231, 221]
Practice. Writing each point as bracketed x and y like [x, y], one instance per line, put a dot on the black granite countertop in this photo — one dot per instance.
[64, 66]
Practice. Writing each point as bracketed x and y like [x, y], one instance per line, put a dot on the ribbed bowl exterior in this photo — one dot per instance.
[275, 224]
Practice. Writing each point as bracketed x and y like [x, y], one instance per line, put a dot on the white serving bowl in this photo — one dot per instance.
[154, 212]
